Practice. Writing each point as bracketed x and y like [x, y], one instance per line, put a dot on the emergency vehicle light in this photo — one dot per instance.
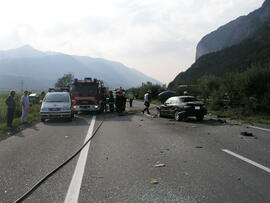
[88, 79]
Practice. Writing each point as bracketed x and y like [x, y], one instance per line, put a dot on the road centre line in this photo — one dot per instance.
[247, 160]
[75, 184]
[265, 129]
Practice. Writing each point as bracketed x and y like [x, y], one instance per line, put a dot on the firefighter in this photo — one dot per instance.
[111, 101]
[120, 101]
[104, 102]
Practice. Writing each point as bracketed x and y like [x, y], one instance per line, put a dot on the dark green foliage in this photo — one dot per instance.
[207, 85]
[236, 77]
[140, 91]
[248, 91]
[64, 81]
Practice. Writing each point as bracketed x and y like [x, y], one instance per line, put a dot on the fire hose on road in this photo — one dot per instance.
[35, 186]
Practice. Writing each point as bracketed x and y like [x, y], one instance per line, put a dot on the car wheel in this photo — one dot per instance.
[177, 116]
[200, 118]
[42, 119]
[70, 119]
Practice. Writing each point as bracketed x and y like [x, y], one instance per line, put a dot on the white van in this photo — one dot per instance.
[56, 105]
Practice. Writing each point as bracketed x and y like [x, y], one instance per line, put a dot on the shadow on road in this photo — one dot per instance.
[77, 121]
[194, 121]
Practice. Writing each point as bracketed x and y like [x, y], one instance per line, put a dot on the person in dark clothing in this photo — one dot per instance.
[120, 101]
[11, 105]
[130, 97]
[104, 103]
[111, 101]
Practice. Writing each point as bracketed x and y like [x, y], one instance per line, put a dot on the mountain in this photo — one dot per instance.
[234, 32]
[252, 52]
[33, 66]
[22, 52]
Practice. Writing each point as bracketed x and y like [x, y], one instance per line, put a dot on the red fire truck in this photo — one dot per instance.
[87, 95]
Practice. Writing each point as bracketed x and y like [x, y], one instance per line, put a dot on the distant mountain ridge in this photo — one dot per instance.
[234, 32]
[28, 64]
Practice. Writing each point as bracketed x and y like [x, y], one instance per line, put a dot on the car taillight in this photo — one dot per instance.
[187, 107]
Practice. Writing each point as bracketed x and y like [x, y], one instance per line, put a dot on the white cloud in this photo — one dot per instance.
[157, 37]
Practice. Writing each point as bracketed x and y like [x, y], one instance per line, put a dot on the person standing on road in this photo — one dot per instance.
[11, 105]
[130, 97]
[147, 101]
[104, 102]
[25, 106]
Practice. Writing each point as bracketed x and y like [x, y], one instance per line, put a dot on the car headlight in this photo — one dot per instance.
[96, 106]
[44, 109]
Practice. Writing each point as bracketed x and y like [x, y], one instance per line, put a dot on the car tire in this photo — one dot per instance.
[200, 118]
[177, 116]
[70, 119]
[42, 119]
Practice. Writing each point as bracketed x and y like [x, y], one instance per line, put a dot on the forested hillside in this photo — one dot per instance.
[234, 78]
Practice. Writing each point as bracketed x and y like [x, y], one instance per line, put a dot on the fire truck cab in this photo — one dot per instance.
[87, 95]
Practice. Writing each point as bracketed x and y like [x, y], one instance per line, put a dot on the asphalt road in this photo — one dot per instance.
[205, 161]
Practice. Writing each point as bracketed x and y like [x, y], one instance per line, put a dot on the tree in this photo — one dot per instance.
[64, 81]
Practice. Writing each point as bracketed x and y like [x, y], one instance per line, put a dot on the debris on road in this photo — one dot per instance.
[158, 165]
[247, 134]
[170, 123]
[199, 147]
[66, 137]
[141, 119]
[234, 122]
[154, 181]
[186, 174]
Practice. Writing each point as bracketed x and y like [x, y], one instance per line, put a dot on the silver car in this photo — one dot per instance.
[56, 105]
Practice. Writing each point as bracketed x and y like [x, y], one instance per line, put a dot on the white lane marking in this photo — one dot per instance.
[75, 184]
[247, 160]
[265, 129]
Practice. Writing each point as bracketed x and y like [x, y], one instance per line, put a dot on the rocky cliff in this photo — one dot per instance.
[235, 31]
[249, 53]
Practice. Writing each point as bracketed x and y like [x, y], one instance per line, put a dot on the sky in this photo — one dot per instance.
[156, 37]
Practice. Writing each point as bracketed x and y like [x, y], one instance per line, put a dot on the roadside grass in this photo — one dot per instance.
[33, 115]
[235, 114]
